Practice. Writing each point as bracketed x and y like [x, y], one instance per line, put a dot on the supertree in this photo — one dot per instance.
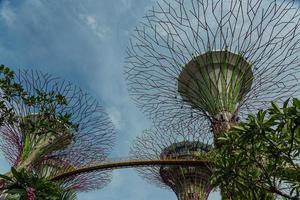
[214, 60]
[56, 138]
[175, 157]
[200, 61]
[188, 182]
[49, 126]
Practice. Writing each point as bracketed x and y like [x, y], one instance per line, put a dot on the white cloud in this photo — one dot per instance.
[7, 14]
[100, 30]
[126, 5]
[91, 21]
[115, 116]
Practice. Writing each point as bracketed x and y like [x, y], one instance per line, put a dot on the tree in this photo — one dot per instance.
[262, 154]
[49, 126]
[26, 185]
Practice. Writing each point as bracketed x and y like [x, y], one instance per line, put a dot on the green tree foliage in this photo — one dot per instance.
[259, 158]
[46, 101]
[9, 90]
[22, 182]
[27, 186]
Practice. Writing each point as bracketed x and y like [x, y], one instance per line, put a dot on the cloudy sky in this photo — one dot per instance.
[83, 41]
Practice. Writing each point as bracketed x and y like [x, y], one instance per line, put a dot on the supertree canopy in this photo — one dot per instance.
[214, 60]
[176, 143]
[49, 126]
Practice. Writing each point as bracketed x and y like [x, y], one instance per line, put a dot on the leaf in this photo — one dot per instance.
[5, 177]
[276, 108]
[16, 191]
[222, 139]
[15, 173]
[296, 102]
[286, 103]
[238, 128]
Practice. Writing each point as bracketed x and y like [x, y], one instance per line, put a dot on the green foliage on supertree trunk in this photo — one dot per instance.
[261, 155]
[47, 122]
[39, 130]
[25, 185]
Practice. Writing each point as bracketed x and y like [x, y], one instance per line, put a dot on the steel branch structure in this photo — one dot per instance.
[200, 60]
[178, 143]
[29, 143]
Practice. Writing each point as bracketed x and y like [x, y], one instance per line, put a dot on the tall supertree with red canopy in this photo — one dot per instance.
[50, 126]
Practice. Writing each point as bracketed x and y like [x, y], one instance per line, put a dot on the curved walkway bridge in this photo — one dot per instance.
[129, 163]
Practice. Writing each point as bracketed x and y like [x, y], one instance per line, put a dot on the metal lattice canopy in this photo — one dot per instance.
[214, 60]
[53, 150]
[176, 143]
